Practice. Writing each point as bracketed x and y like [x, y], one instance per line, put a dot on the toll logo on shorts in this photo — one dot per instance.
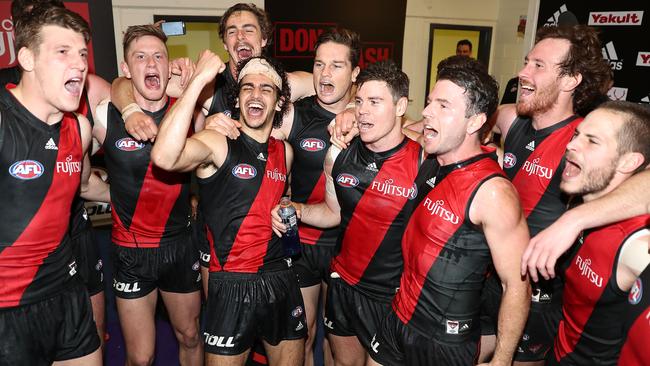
[126, 287]
[636, 293]
[312, 144]
[509, 160]
[73, 268]
[244, 171]
[328, 323]
[347, 180]
[128, 144]
[219, 341]
[374, 344]
[205, 257]
[26, 169]
[297, 312]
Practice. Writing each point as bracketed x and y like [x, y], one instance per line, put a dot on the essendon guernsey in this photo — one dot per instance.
[373, 190]
[593, 305]
[237, 202]
[310, 140]
[446, 256]
[150, 206]
[40, 170]
[635, 349]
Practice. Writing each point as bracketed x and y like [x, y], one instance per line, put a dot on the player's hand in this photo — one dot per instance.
[279, 228]
[224, 125]
[141, 127]
[344, 128]
[208, 66]
[184, 68]
[546, 247]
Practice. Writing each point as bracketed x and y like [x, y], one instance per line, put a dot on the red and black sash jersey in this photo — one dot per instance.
[150, 206]
[637, 313]
[373, 191]
[40, 173]
[310, 141]
[446, 256]
[591, 330]
[225, 84]
[237, 202]
[534, 161]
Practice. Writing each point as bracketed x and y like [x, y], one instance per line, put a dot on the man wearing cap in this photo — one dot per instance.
[252, 290]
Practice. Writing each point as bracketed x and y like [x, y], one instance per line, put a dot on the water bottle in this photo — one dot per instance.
[290, 239]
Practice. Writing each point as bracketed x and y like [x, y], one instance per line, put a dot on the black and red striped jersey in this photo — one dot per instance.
[310, 140]
[150, 206]
[374, 191]
[40, 173]
[446, 256]
[534, 161]
[225, 84]
[593, 305]
[237, 202]
[637, 325]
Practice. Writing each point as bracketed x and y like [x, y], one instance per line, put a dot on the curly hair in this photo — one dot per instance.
[388, 72]
[583, 58]
[266, 28]
[284, 95]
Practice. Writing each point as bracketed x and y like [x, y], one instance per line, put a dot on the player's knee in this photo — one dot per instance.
[188, 337]
[140, 359]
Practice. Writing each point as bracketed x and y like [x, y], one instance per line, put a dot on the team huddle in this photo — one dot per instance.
[415, 236]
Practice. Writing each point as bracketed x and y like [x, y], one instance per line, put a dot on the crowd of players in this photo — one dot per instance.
[415, 240]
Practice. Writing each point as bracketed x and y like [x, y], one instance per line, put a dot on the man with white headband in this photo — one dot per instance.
[252, 290]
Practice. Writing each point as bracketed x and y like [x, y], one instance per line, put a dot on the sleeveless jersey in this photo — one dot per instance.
[225, 84]
[373, 191]
[237, 202]
[534, 161]
[40, 172]
[310, 140]
[446, 256]
[637, 312]
[149, 206]
[592, 307]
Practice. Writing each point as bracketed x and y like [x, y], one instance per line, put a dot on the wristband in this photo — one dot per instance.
[130, 109]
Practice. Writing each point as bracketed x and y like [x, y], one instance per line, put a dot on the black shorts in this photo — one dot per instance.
[349, 312]
[397, 344]
[244, 306]
[313, 265]
[200, 239]
[173, 267]
[541, 327]
[56, 329]
[89, 264]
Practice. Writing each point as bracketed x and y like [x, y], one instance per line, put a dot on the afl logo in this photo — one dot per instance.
[244, 171]
[636, 293]
[312, 144]
[26, 169]
[347, 180]
[509, 160]
[128, 144]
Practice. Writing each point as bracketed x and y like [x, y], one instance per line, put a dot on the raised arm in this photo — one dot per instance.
[92, 187]
[302, 84]
[629, 199]
[172, 150]
[507, 235]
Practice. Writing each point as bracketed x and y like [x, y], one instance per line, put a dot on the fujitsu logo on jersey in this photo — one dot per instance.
[128, 144]
[584, 265]
[436, 208]
[509, 160]
[276, 175]
[535, 169]
[244, 171]
[312, 144]
[26, 169]
[347, 180]
[388, 188]
[68, 166]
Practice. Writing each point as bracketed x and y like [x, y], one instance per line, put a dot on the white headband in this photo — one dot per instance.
[260, 66]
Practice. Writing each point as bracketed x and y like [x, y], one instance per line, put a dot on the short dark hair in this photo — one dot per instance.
[481, 90]
[284, 94]
[634, 134]
[584, 57]
[343, 37]
[27, 29]
[388, 72]
[134, 32]
[266, 28]
[464, 42]
[21, 8]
